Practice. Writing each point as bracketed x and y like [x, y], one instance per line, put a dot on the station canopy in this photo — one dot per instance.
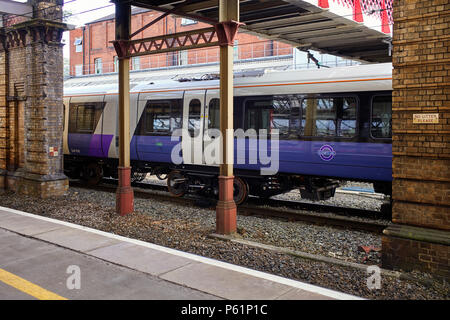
[303, 24]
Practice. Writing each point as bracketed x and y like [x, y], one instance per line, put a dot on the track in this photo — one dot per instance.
[289, 210]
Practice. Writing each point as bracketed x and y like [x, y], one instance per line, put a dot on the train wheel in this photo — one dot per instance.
[92, 173]
[240, 190]
[177, 184]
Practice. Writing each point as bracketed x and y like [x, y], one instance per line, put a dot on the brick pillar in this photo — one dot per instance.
[3, 108]
[420, 235]
[34, 149]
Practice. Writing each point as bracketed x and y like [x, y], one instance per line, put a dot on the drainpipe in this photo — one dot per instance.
[84, 40]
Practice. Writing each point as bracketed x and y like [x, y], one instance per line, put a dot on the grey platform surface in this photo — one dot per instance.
[40, 250]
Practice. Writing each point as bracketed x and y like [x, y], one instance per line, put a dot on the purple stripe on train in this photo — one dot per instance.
[91, 145]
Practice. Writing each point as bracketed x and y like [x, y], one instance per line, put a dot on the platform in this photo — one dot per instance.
[36, 253]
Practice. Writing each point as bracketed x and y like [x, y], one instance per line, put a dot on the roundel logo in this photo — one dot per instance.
[326, 152]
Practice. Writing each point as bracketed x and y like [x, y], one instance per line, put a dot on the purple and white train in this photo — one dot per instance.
[333, 125]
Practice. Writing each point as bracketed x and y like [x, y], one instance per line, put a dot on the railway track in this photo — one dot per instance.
[282, 209]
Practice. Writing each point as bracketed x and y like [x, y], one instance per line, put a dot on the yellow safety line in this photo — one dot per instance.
[28, 287]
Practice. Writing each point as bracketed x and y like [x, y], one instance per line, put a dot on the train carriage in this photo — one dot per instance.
[329, 125]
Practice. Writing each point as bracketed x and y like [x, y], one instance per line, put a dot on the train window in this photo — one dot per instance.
[194, 117]
[176, 114]
[277, 112]
[346, 118]
[157, 117]
[329, 117]
[214, 114]
[381, 123]
[84, 117]
[161, 117]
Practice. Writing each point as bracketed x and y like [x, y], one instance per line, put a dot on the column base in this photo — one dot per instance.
[414, 248]
[41, 186]
[226, 208]
[124, 193]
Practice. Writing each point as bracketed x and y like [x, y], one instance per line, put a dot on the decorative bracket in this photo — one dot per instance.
[227, 31]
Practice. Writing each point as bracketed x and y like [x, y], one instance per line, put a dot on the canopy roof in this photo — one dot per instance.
[298, 23]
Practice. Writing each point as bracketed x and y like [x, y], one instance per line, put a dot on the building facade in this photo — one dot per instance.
[92, 51]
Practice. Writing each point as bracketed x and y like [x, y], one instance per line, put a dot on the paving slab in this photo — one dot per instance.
[26, 225]
[140, 258]
[77, 240]
[13, 248]
[226, 283]
[5, 214]
[299, 294]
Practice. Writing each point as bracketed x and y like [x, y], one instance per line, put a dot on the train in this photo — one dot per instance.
[326, 127]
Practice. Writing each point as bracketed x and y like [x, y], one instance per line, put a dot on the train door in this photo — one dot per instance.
[193, 127]
[211, 148]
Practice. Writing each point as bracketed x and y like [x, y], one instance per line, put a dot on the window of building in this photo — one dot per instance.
[136, 63]
[186, 22]
[98, 65]
[381, 122]
[183, 57]
[236, 50]
[329, 117]
[84, 117]
[78, 44]
[116, 64]
[79, 70]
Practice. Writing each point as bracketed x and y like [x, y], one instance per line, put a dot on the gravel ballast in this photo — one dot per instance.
[189, 228]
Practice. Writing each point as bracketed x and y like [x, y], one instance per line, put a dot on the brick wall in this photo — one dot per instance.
[421, 162]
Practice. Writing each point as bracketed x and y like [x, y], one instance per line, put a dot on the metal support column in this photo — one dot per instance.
[228, 25]
[124, 194]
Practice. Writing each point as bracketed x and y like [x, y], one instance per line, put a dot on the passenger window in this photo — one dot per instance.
[214, 114]
[161, 117]
[157, 117]
[329, 117]
[277, 112]
[84, 117]
[176, 114]
[381, 122]
[194, 117]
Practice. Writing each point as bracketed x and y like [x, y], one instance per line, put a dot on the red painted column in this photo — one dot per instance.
[323, 4]
[124, 193]
[357, 12]
[226, 208]
[385, 28]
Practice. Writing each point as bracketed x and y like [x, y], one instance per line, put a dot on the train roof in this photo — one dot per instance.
[365, 72]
